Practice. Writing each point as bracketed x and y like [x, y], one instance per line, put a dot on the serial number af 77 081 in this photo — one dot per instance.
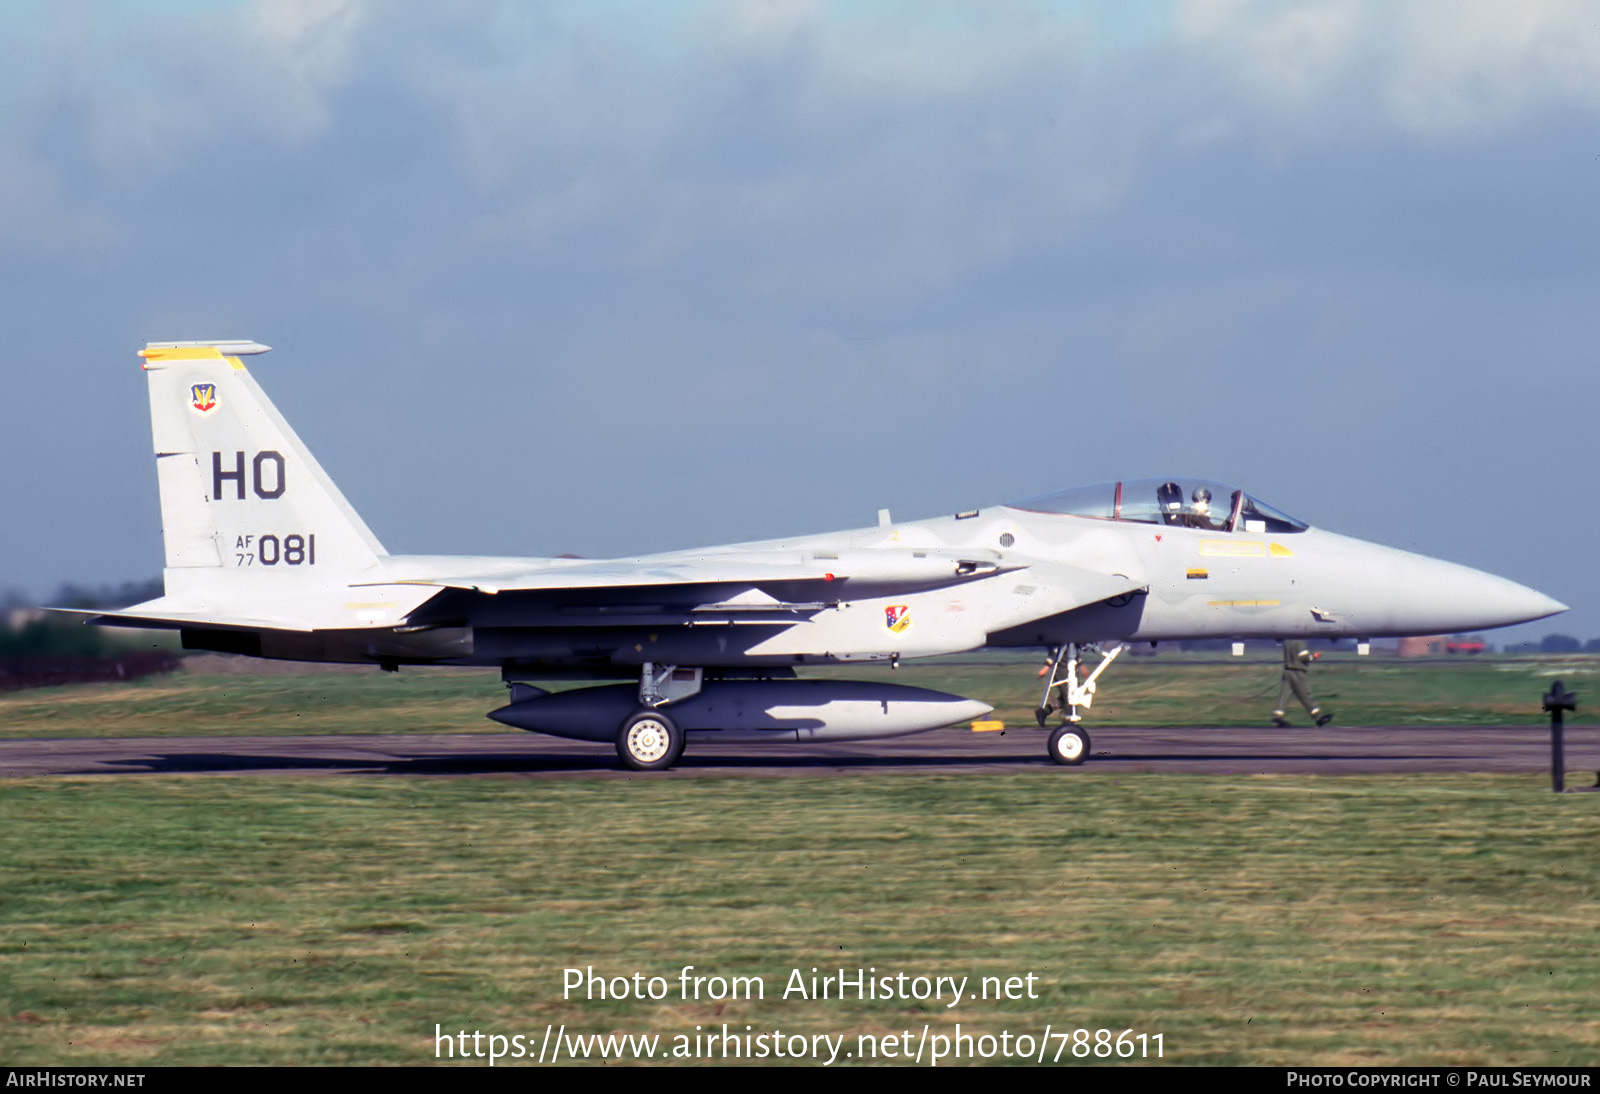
[293, 549]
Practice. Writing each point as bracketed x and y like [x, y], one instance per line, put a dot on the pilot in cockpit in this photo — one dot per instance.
[1199, 515]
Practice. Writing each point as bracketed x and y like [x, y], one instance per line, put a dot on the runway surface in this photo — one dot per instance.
[1329, 751]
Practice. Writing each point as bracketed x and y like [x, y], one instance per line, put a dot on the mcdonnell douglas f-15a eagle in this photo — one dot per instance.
[265, 557]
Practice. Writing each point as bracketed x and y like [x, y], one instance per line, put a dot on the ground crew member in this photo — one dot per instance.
[1296, 663]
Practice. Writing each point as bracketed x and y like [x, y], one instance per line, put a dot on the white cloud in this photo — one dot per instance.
[1473, 66]
[154, 91]
[1286, 53]
[300, 50]
[1436, 68]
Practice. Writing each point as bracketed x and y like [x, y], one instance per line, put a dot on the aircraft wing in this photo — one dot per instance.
[734, 587]
[705, 588]
[624, 576]
[885, 570]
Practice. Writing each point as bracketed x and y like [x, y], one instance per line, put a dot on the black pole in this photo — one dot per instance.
[1557, 701]
[1558, 756]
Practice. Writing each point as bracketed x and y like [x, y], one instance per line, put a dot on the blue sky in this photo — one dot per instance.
[613, 278]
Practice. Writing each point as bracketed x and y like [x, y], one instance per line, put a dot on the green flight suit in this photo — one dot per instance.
[1296, 662]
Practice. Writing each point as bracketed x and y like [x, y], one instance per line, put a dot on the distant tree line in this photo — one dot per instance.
[55, 671]
[39, 649]
[1556, 643]
[1550, 643]
[110, 597]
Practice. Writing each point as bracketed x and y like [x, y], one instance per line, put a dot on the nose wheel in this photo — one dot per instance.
[1069, 745]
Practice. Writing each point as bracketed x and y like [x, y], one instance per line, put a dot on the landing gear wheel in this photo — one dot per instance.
[1069, 745]
[649, 741]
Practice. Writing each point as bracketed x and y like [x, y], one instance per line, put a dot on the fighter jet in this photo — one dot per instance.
[265, 557]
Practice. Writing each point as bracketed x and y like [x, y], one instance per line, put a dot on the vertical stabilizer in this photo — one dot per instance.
[246, 511]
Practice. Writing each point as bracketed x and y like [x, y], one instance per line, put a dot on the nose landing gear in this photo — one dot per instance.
[1069, 743]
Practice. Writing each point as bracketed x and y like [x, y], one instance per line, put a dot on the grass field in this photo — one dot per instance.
[1263, 920]
[1171, 689]
[187, 920]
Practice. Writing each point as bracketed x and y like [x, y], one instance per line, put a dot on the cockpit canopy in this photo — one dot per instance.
[1183, 503]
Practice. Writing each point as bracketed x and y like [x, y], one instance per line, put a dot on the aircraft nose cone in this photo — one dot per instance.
[1433, 597]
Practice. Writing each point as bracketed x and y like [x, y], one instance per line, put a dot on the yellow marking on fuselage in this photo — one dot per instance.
[1197, 574]
[377, 606]
[991, 726]
[1280, 551]
[1233, 548]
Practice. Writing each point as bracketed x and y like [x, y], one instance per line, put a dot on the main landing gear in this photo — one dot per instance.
[1069, 743]
[651, 739]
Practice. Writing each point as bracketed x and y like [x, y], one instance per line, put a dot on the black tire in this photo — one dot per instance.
[1069, 745]
[649, 741]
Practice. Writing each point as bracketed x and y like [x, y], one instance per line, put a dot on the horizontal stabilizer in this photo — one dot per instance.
[335, 609]
[173, 620]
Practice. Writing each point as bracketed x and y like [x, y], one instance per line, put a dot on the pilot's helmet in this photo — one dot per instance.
[1202, 497]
